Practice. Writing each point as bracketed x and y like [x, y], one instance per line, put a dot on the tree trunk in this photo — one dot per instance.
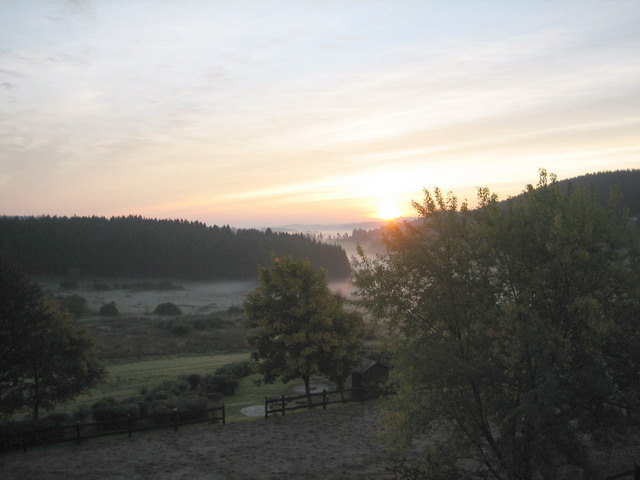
[307, 389]
[36, 398]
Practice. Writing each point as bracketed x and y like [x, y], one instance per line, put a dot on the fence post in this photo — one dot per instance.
[129, 425]
[283, 405]
[224, 415]
[175, 419]
[78, 433]
[266, 407]
[324, 398]
[636, 472]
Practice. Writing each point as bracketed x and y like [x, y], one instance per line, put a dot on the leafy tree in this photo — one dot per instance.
[46, 358]
[302, 328]
[512, 325]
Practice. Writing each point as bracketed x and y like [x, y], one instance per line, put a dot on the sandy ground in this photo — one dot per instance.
[335, 444]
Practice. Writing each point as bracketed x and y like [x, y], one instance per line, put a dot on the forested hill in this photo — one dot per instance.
[137, 247]
[628, 181]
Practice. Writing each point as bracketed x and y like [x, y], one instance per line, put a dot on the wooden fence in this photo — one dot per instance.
[635, 472]
[119, 426]
[282, 404]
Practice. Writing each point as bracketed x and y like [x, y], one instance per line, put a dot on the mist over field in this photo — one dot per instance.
[194, 298]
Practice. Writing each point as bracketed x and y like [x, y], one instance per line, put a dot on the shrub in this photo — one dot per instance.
[235, 309]
[109, 310]
[69, 284]
[56, 420]
[221, 383]
[110, 413]
[171, 387]
[167, 308]
[212, 322]
[191, 407]
[194, 380]
[161, 413]
[235, 370]
[99, 285]
[182, 328]
[74, 303]
[11, 434]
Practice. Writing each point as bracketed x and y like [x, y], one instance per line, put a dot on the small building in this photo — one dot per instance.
[369, 373]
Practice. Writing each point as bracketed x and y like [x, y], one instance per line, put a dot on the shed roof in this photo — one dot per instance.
[366, 364]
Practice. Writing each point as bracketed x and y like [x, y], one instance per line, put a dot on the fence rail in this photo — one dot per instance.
[635, 472]
[283, 404]
[118, 426]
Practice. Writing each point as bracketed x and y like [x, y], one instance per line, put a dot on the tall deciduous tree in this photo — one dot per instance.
[46, 358]
[302, 328]
[511, 325]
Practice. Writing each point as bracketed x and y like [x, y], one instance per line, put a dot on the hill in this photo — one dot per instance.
[627, 181]
[136, 247]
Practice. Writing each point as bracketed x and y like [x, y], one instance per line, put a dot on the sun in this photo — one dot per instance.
[388, 211]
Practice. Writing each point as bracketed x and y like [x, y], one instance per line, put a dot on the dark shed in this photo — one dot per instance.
[369, 373]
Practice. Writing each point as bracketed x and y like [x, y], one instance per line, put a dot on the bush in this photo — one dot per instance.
[221, 383]
[69, 284]
[181, 329]
[109, 310]
[110, 413]
[98, 285]
[161, 413]
[56, 420]
[191, 407]
[194, 380]
[74, 303]
[171, 387]
[167, 308]
[235, 309]
[11, 434]
[235, 370]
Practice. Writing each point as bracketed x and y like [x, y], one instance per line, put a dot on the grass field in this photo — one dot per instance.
[129, 378]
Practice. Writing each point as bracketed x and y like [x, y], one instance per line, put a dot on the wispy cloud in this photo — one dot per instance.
[188, 108]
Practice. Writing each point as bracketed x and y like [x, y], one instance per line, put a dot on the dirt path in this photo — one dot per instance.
[337, 444]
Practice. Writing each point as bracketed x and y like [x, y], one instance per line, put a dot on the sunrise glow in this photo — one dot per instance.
[272, 113]
[389, 213]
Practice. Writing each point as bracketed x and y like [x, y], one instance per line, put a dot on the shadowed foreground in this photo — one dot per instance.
[335, 444]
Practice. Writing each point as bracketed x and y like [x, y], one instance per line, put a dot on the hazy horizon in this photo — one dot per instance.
[270, 113]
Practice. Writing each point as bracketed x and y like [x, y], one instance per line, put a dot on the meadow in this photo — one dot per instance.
[142, 350]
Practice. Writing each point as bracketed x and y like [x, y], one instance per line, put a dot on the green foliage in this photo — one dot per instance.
[109, 411]
[69, 284]
[167, 308]
[220, 383]
[236, 370]
[182, 329]
[109, 310]
[46, 358]
[75, 304]
[301, 327]
[514, 325]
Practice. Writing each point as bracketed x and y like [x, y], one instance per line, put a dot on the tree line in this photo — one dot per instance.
[134, 246]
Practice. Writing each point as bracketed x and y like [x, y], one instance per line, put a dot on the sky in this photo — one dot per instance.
[268, 113]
